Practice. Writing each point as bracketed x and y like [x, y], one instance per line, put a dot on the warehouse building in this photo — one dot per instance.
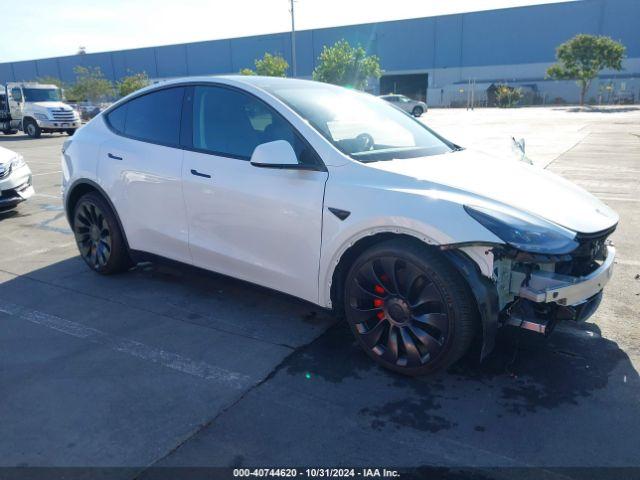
[442, 59]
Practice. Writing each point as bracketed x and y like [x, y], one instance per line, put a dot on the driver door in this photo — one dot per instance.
[262, 225]
[16, 103]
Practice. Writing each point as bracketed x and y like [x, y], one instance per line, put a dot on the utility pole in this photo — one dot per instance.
[293, 39]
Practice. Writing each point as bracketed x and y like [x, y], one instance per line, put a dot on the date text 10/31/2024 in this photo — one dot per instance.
[317, 472]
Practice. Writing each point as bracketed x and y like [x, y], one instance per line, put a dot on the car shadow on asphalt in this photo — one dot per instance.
[574, 388]
[19, 137]
[569, 399]
[8, 213]
[539, 400]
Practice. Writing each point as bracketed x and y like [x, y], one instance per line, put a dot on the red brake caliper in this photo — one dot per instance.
[378, 302]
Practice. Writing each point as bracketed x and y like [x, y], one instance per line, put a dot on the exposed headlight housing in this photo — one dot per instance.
[525, 232]
[41, 116]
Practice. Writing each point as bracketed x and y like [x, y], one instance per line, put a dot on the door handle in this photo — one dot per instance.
[115, 157]
[198, 174]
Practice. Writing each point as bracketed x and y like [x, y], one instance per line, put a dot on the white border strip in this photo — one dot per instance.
[130, 347]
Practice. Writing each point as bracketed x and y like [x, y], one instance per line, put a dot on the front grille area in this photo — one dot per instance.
[5, 170]
[63, 116]
[589, 254]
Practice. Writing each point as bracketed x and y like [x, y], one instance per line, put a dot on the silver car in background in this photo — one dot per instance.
[414, 107]
[16, 181]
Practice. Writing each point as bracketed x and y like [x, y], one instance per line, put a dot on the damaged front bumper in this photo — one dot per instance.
[539, 297]
[543, 298]
[546, 287]
[534, 292]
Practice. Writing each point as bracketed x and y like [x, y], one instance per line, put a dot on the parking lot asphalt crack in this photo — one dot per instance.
[280, 366]
[578, 142]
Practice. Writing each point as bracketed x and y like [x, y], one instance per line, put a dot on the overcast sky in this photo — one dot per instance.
[46, 28]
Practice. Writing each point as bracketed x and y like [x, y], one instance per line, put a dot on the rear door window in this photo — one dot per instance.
[154, 117]
[117, 117]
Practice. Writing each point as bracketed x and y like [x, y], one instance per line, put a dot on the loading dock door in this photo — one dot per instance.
[413, 85]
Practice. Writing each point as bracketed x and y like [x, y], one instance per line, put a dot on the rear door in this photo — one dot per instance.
[140, 167]
[259, 224]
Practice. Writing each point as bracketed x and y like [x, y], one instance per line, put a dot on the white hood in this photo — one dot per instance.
[513, 183]
[56, 105]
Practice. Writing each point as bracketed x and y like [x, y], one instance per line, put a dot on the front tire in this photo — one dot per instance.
[417, 111]
[32, 129]
[71, 131]
[408, 308]
[98, 236]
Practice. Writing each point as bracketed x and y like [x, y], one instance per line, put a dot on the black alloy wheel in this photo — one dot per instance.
[98, 235]
[92, 235]
[410, 311]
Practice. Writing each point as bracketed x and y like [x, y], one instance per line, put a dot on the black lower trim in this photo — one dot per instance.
[11, 198]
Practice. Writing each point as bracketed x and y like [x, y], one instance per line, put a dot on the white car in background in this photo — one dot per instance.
[414, 107]
[15, 179]
[336, 197]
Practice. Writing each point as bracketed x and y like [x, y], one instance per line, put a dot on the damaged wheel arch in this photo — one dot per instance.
[485, 293]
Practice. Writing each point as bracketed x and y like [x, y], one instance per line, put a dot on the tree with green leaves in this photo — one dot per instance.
[90, 85]
[272, 66]
[507, 96]
[268, 66]
[131, 83]
[583, 57]
[342, 64]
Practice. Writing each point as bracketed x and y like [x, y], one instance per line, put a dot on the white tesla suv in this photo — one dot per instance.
[337, 197]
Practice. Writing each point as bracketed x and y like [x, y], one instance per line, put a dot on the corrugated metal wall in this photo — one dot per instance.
[499, 37]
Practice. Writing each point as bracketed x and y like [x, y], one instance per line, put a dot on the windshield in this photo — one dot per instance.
[42, 94]
[360, 125]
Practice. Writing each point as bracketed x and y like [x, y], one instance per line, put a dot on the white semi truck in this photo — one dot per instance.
[35, 108]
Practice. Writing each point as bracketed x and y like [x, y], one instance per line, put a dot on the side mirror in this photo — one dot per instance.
[519, 144]
[276, 154]
[519, 147]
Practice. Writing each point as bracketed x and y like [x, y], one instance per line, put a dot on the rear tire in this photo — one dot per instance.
[98, 235]
[409, 309]
[32, 129]
[10, 132]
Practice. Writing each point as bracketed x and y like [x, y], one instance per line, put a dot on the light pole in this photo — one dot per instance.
[293, 40]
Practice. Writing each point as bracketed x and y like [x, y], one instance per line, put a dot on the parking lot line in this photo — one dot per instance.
[45, 173]
[46, 195]
[136, 349]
